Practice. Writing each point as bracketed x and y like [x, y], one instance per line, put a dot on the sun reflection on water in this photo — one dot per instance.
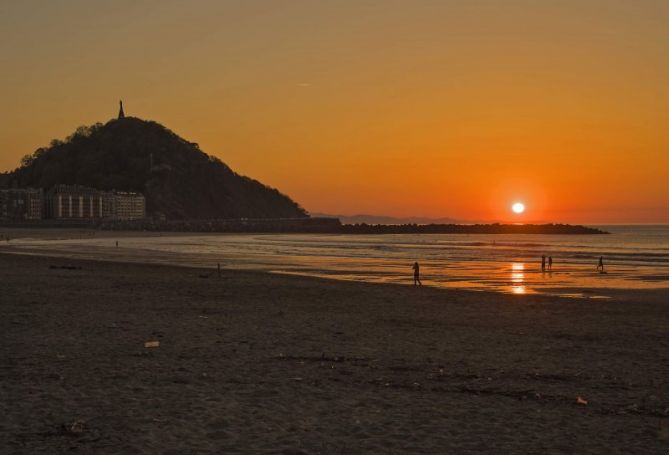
[518, 278]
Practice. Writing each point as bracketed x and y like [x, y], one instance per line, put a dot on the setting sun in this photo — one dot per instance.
[518, 208]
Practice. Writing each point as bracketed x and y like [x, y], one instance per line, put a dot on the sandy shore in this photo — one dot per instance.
[252, 362]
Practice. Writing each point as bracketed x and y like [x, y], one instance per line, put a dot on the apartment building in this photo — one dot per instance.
[18, 204]
[123, 205]
[74, 202]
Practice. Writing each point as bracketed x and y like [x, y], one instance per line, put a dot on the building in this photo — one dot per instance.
[122, 205]
[17, 204]
[74, 202]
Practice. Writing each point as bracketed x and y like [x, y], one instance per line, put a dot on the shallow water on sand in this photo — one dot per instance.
[635, 257]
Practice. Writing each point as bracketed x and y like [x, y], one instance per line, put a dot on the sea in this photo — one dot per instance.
[635, 257]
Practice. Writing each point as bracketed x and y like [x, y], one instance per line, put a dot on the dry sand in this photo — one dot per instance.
[259, 363]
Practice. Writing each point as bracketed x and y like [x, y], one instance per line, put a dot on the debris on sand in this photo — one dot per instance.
[65, 267]
[151, 344]
[581, 401]
[74, 428]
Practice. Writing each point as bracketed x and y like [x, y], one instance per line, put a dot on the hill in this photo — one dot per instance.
[178, 179]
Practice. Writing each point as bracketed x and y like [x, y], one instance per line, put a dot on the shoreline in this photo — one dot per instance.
[573, 280]
[256, 362]
[568, 294]
[604, 293]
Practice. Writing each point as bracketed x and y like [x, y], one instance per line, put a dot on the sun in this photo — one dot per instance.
[518, 208]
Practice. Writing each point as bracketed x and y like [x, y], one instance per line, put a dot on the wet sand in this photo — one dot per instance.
[259, 363]
[453, 262]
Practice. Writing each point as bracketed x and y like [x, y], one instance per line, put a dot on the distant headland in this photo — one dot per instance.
[495, 228]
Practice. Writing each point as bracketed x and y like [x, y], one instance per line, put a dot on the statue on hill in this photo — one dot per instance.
[120, 111]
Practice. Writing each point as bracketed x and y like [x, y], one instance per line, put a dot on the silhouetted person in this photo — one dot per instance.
[550, 262]
[117, 244]
[416, 274]
[600, 266]
[543, 262]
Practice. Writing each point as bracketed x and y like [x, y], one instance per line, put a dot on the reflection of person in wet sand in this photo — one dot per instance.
[416, 274]
[600, 266]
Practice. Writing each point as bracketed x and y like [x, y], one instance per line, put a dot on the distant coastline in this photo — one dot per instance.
[305, 226]
[494, 228]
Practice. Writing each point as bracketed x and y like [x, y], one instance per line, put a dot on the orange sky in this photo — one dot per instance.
[432, 108]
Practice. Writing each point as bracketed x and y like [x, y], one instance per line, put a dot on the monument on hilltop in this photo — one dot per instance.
[120, 111]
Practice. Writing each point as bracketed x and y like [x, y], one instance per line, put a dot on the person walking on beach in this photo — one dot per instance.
[600, 266]
[550, 263]
[416, 274]
[543, 262]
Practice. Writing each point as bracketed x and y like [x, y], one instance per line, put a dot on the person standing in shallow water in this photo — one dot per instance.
[600, 266]
[543, 262]
[416, 274]
[550, 263]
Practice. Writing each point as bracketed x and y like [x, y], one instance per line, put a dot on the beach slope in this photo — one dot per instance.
[251, 362]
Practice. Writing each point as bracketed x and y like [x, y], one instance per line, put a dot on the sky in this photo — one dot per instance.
[405, 108]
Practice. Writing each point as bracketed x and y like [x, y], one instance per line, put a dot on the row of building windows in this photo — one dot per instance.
[70, 202]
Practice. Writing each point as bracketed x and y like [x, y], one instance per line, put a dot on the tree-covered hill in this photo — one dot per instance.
[177, 178]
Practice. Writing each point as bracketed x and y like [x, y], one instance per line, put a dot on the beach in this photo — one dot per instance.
[255, 362]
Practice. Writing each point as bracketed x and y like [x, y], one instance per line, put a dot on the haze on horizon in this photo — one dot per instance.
[403, 108]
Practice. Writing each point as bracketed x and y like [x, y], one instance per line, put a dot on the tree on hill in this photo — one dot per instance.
[177, 178]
